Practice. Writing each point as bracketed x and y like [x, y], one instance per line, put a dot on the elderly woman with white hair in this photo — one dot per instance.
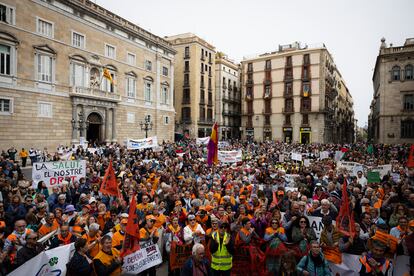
[325, 210]
[193, 232]
[93, 238]
[197, 264]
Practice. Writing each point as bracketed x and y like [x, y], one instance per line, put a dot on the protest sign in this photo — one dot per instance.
[137, 144]
[54, 173]
[233, 156]
[148, 256]
[306, 162]
[281, 158]
[324, 155]
[296, 156]
[383, 170]
[373, 177]
[202, 141]
[223, 144]
[179, 254]
[47, 263]
[351, 167]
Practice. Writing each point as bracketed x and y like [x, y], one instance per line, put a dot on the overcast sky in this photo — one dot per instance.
[350, 29]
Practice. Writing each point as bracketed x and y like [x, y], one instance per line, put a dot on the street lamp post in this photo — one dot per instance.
[81, 124]
[146, 125]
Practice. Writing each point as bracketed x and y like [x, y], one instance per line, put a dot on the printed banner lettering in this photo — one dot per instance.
[47, 263]
[54, 173]
[202, 141]
[296, 156]
[233, 156]
[148, 256]
[179, 254]
[135, 144]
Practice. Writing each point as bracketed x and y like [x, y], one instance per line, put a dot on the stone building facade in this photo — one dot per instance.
[52, 89]
[228, 95]
[291, 95]
[391, 118]
[193, 84]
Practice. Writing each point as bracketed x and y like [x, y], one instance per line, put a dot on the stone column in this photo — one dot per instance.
[74, 127]
[83, 125]
[107, 134]
[114, 125]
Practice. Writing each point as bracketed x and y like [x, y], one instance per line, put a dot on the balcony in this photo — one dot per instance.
[232, 99]
[210, 102]
[288, 95]
[288, 77]
[187, 56]
[186, 101]
[186, 84]
[204, 121]
[203, 58]
[210, 74]
[93, 93]
[202, 101]
[288, 110]
[210, 61]
[249, 82]
[267, 112]
[305, 109]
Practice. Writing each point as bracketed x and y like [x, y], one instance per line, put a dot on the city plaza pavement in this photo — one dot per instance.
[162, 270]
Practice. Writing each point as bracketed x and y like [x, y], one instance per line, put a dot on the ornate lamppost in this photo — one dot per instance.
[146, 125]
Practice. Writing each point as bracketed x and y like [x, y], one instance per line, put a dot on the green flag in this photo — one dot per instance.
[370, 149]
[373, 177]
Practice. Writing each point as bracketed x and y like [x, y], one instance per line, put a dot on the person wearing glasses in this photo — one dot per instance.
[193, 232]
[302, 234]
[275, 236]
[16, 240]
[222, 250]
[29, 250]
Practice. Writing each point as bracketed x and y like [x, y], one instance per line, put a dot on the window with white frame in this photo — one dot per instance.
[147, 91]
[6, 106]
[164, 95]
[131, 86]
[44, 109]
[109, 51]
[44, 67]
[165, 71]
[166, 120]
[131, 59]
[148, 65]
[7, 14]
[78, 40]
[78, 73]
[5, 60]
[130, 117]
[45, 27]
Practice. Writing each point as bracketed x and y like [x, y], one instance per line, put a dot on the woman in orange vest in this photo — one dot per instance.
[108, 261]
[374, 263]
[246, 233]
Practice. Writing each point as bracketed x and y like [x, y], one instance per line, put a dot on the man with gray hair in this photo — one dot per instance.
[93, 239]
[197, 264]
[325, 210]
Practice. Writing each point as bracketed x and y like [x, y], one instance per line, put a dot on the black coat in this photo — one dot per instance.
[79, 266]
[25, 254]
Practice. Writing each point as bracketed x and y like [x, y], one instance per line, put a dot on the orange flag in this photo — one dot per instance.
[410, 161]
[109, 186]
[131, 242]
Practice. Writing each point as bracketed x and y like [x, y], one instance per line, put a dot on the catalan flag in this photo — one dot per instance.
[108, 75]
[212, 146]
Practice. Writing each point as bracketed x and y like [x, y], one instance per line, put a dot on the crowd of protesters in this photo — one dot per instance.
[264, 201]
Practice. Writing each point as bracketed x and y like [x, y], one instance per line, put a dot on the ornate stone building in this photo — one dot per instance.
[391, 120]
[52, 91]
[291, 95]
[228, 95]
[194, 84]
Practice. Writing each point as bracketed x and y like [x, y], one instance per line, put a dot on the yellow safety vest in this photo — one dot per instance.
[221, 259]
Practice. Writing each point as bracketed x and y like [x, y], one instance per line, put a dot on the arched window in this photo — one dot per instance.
[396, 73]
[409, 72]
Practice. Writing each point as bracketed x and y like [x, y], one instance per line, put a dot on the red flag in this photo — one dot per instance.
[345, 220]
[344, 149]
[410, 161]
[274, 201]
[131, 242]
[109, 186]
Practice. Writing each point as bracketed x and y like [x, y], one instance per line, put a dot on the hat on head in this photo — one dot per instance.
[92, 199]
[70, 208]
[124, 215]
[150, 217]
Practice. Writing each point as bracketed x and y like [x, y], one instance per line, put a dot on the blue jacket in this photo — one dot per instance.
[307, 264]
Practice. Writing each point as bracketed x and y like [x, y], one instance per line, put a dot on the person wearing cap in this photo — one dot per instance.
[214, 227]
[119, 236]
[93, 204]
[64, 237]
[108, 261]
[222, 250]
[149, 231]
[193, 232]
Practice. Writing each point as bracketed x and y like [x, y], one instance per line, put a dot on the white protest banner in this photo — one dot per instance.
[92, 150]
[383, 169]
[202, 141]
[47, 263]
[148, 256]
[351, 167]
[296, 156]
[233, 156]
[281, 158]
[306, 162]
[157, 149]
[223, 144]
[290, 178]
[146, 143]
[316, 224]
[324, 155]
[53, 173]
